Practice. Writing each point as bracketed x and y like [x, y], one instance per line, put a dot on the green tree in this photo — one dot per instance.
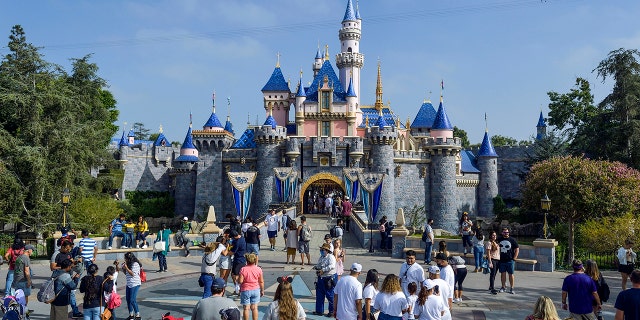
[54, 127]
[459, 133]
[550, 146]
[582, 188]
[500, 141]
[140, 132]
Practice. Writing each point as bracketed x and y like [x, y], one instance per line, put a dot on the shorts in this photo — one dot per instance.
[291, 251]
[272, 234]
[303, 247]
[507, 266]
[225, 262]
[253, 247]
[625, 268]
[250, 297]
[237, 265]
[23, 285]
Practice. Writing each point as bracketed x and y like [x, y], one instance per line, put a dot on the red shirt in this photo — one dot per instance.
[251, 274]
[346, 208]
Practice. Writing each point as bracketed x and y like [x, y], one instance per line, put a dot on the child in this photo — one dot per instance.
[129, 227]
[411, 300]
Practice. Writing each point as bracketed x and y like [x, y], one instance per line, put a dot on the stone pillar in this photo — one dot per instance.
[399, 236]
[546, 254]
[211, 230]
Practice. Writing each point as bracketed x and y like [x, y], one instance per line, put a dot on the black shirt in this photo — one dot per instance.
[253, 235]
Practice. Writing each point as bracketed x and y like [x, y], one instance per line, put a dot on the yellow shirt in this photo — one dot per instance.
[142, 227]
[129, 227]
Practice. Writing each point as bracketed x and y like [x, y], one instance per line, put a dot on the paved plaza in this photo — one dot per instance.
[178, 291]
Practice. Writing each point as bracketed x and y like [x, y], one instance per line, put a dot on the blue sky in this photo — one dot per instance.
[163, 59]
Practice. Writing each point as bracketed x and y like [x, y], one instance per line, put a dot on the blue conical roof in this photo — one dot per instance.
[318, 54]
[123, 141]
[228, 126]
[350, 91]
[276, 82]
[300, 90]
[381, 122]
[442, 120]
[187, 145]
[213, 121]
[326, 70]
[270, 122]
[160, 139]
[188, 141]
[486, 149]
[425, 117]
[131, 133]
[349, 14]
[541, 122]
[357, 12]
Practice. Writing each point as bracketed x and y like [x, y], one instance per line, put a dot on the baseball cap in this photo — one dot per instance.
[185, 218]
[346, 198]
[434, 269]
[356, 267]
[218, 283]
[29, 247]
[327, 236]
[429, 284]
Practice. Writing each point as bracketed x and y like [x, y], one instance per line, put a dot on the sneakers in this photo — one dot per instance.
[511, 291]
[494, 292]
[109, 248]
[502, 290]
[77, 315]
[456, 300]
[124, 247]
[144, 246]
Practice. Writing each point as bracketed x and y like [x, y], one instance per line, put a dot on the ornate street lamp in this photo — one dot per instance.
[545, 204]
[66, 197]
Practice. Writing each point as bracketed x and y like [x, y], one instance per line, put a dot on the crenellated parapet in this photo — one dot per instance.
[212, 141]
[349, 59]
[442, 146]
[384, 136]
[266, 134]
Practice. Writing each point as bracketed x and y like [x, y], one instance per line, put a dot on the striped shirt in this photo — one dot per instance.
[87, 246]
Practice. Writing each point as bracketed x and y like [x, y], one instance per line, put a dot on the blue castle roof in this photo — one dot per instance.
[381, 122]
[270, 122]
[441, 121]
[300, 92]
[486, 149]
[357, 12]
[372, 114]
[228, 126]
[161, 140]
[468, 162]
[131, 133]
[213, 121]
[425, 117]
[326, 70]
[276, 82]
[123, 141]
[245, 141]
[187, 144]
[349, 14]
[350, 91]
[318, 54]
[541, 122]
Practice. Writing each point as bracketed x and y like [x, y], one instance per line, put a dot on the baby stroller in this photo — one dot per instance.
[15, 307]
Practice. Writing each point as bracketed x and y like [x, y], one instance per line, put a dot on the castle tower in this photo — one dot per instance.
[382, 136]
[276, 96]
[352, 105]
[488, 186]
[350, 61]
[443, 149]
[184, 174]
[317, 63]
[541, 128]
[301, 96]
[268, 139]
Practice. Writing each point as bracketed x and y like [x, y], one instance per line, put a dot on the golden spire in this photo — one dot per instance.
[278, 61]
[379, 103]
[160, 129]
[408, 123]
[326, 52]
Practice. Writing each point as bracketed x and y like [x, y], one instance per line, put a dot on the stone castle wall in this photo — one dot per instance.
[142, 169]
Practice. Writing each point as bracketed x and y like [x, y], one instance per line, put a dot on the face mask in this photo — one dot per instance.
[323, 253]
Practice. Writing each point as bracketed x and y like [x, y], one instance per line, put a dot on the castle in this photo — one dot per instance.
[421, 162]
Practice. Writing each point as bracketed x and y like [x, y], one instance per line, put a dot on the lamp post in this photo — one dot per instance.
[545, 204]
[66, 196]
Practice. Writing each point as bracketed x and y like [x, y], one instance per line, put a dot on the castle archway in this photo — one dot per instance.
[319, 185]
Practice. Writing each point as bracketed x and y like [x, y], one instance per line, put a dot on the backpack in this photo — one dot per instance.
[305, 233]
[603, 290]
[231, 313]
[47, 292]
[333, 232]
[14, 255]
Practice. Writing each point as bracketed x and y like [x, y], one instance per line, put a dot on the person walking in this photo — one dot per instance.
[239, 249]
[591, 269]
[251, 287]
[383, 232]
[109, 287]
[478, 250]
[347, 298]
[509, 250]
[284, 225]
[292, 241]
[252, 237]
[212, 253]
[284, 306]
[626, 261]
[131, 268]
[442, 290]
[339, 252]
[446, 271]
[410, 271]
[427, 236]
[64, 284]
[55, 263]
[326, 271]
[88, 249]
[163, 235]
[181, 235]
[457, 263]
[22, 272]
[427, 308]
[369, 294]
[628, 301]
[581, 291]
[391, 302]
[347, 209]
[544, 310]
[142, 230]
[209, 308]
[91, 285]
[273, 225]
[465, 232]
[304, 236]
[16, 250]
[493, 258]
[115, 230]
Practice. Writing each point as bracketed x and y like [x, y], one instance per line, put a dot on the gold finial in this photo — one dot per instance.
[300, 73]
[379, 103]
[271, 110]
[278, 62]
[408, 125]
[366, 121]
[326, 52]
[160, 129]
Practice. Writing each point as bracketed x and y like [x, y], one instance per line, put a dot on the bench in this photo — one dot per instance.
[528, 264]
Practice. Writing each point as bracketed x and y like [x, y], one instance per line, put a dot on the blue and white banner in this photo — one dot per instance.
[242, 185]
[351, 184]
[371, 190]
[286, 180]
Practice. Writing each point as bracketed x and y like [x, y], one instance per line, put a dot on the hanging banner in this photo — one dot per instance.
[242, 185]
[371, 191]
[286, 181]
[351, 182]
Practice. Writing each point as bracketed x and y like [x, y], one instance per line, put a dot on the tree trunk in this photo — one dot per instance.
[570, 251]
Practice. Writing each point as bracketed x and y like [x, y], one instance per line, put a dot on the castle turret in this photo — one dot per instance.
[352, 106]
[488, 187]
[350, 61]
[184, 174]
[275, 95]
[131, 137]
[317, 62]
[301, 96]
[268, 139]
[443, 149]
[541, 128]
[421, 125]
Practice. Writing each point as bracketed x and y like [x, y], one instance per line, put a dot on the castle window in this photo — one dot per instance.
[349, 50]
[325, 101]
[326, 128]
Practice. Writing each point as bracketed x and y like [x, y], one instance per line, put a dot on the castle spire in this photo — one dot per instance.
[349, 14]
[326, 52]
[278, 60]
[379, 103]
[213, 100]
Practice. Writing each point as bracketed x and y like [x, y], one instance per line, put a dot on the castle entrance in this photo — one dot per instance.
[316, 189]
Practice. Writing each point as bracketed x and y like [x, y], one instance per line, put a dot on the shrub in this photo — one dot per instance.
[608, 233]
[93, 213]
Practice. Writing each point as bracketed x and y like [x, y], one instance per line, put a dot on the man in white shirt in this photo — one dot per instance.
[273, 224]
[410, 271]
[326, 271]
[443, 290]
[347, 296]
[446, 272]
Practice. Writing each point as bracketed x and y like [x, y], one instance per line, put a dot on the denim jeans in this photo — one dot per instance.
[162, 261]
[142, 236]
[478, 253]
[7, 290]
[428, 247]
[92, 313]
[253, 247]
[74, 305]
[132, 296]
[115, 234]
[207, 279]
[128, 239]
[321, 293]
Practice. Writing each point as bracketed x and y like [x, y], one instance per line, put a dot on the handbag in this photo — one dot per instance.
[106, 313]
[114, 300]
[159, 246]
[143, 275]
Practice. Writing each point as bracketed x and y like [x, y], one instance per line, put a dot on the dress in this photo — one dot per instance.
[339, 261]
